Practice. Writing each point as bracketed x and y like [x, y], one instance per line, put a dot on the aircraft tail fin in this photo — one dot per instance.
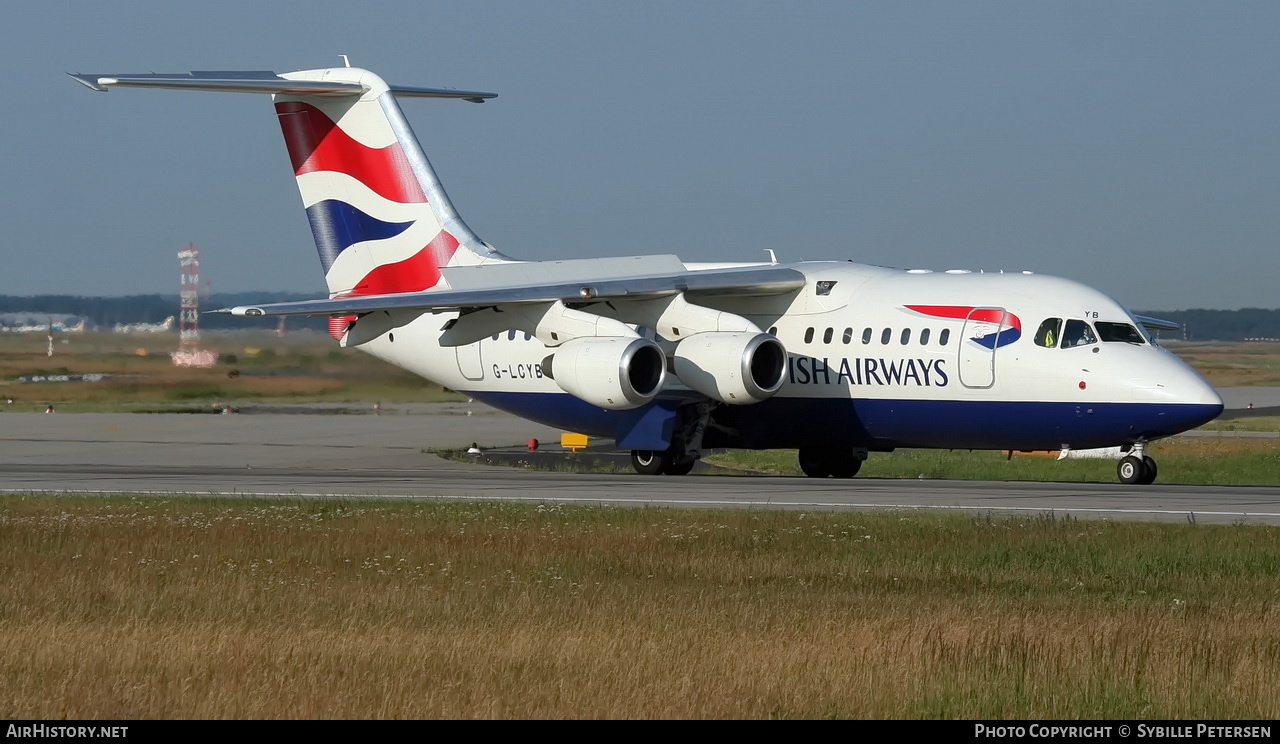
[381, 220]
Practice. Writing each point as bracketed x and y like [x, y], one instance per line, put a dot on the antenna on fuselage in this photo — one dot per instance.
[772, 257]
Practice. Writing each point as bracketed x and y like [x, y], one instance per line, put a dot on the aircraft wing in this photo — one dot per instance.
[1156, 324]
[585, 280]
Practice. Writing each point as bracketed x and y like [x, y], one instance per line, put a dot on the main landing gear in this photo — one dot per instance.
[831, 462]
[1137, 467]
[686, 445]
[650, 462]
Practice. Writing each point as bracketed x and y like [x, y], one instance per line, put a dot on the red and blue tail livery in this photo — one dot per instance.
[374, 225]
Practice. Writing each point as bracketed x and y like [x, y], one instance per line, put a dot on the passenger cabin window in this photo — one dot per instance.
[1078, 333]
[924, 337]
[1119, 332]
[866, 335]
[808, 336]
[826, 336]
[906, 336]
[1049, 333]
[944, 337]
[848, 335]
[886, 335]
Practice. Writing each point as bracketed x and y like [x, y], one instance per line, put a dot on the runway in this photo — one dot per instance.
[326, 456]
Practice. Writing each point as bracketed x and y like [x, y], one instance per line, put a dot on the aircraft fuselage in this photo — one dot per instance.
[880, 358]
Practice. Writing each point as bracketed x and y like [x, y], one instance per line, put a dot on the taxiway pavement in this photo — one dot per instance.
[315, 456]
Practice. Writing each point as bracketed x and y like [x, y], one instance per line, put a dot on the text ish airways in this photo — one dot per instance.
[805, 370]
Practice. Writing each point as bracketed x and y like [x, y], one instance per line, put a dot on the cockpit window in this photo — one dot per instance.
[1078, 333]
[1049, 333]
[1119, 332]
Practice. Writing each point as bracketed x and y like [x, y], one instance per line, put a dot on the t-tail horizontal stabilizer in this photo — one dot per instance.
[266, 81]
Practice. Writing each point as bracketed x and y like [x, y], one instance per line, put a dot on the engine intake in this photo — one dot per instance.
[738, 368]
[612, 372]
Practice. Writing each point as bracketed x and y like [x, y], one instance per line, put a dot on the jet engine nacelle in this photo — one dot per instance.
[737, 368]
[612, 372]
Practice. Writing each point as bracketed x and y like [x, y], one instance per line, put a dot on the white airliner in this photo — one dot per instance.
[833, 358]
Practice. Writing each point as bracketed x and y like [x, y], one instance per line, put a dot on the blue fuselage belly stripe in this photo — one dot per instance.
[795, 422]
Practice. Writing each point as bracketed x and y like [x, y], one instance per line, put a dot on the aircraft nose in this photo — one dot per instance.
[1190, 388]
[1200, 401]
[1206, 403]
[1184, 399]
[1209, 396]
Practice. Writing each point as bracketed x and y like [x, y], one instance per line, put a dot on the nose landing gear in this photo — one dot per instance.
[1137, 467]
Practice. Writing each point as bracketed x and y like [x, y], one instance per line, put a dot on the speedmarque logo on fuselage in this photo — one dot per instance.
[1008, 327]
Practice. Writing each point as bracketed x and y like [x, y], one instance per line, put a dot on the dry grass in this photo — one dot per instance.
[1233, 364]
[217, 609]
[254, 367]
[1249, 423]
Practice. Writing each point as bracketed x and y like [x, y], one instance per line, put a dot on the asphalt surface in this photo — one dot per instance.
[1241, 398]
[286, 452]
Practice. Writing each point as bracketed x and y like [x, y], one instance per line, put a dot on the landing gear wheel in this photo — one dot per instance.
[1149, 471]
[814, 463]
[679, 467]
[830, 463]
[1132, 470]
[845, 466]
[649, 462]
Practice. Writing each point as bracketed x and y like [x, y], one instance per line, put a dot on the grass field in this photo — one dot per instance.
[143, 608]
[1232, 364]
[1251, 423]
[253, 367]
[1200, 460]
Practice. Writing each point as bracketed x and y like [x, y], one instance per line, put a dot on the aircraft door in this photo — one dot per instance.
[469, 363]
[978, 346]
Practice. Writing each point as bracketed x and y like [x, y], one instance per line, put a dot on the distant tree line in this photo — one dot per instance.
[106, 312]
[1221, 325]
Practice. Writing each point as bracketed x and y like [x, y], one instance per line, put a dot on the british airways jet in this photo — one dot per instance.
[833, 358]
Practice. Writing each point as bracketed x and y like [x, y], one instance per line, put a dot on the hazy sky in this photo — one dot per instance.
[1134, 146]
